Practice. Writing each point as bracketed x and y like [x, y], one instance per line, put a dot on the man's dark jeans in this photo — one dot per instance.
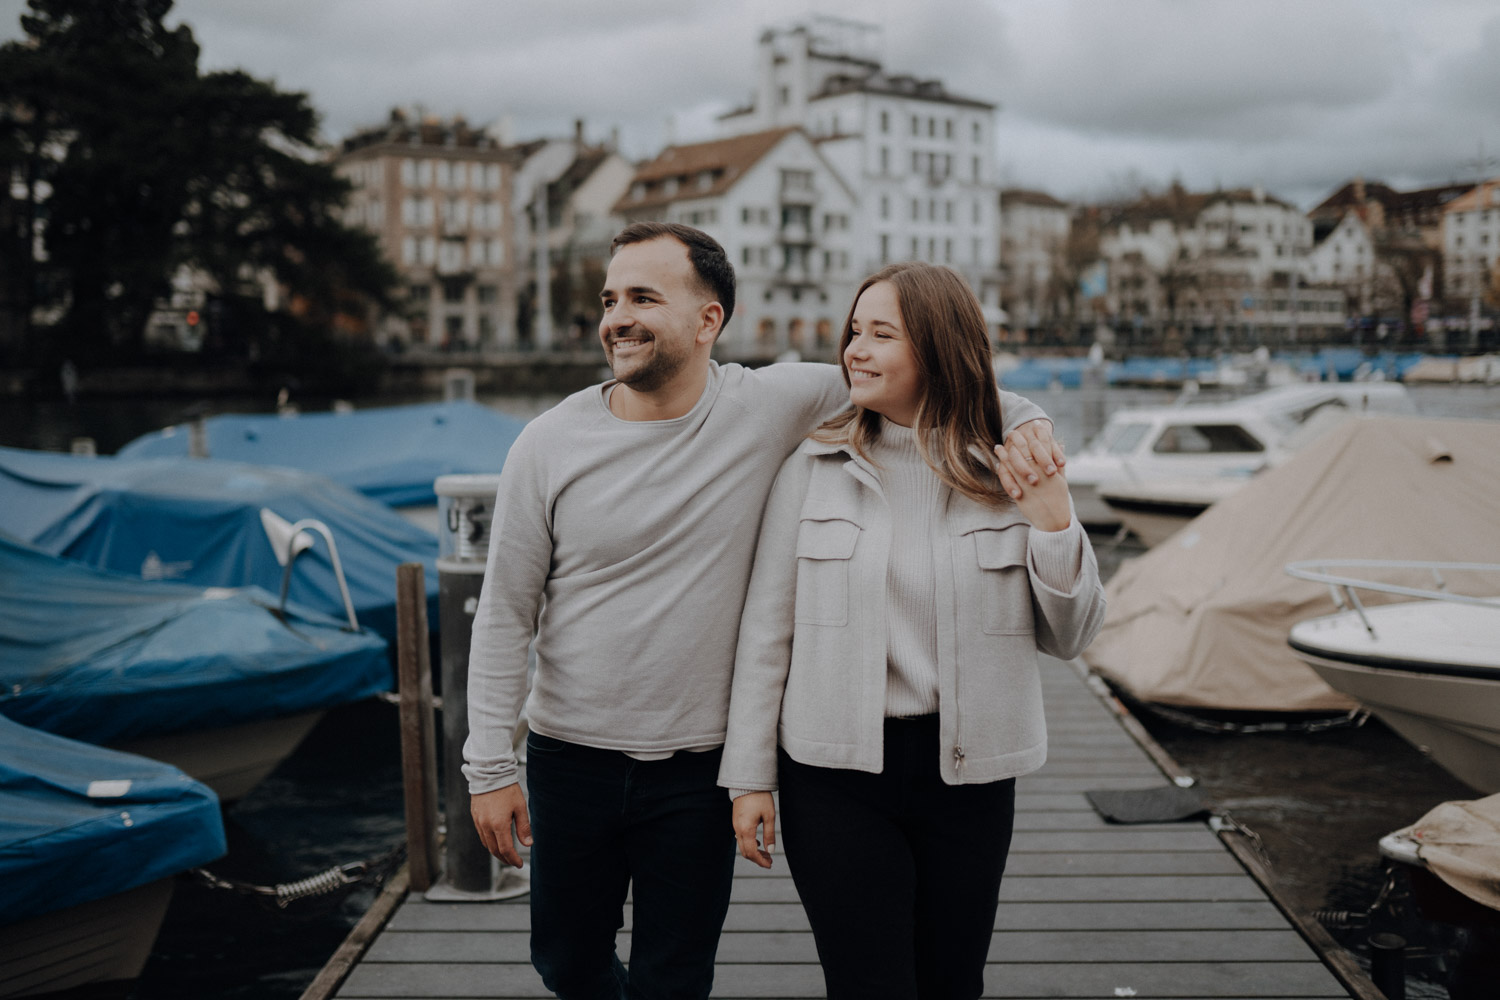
[603, 823]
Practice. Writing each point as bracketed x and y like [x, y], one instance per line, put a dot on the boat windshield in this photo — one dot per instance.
[1119, 438]
[1198, 439]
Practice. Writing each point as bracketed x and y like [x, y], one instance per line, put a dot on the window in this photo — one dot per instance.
[885, 160]
[976, 211]
[745, 218]
[947, 251]
[947, 128]
[931, 127]
[408, 211]
[453, 291]
[885, 206]
[443, 174]
[885, 247]
[409, 173]
[745, 254]
[914, 248]
[978, 251]
[492, 176]
[487, 294]
[916, 162]
[1199, 439]
[948, 211]
[916, 125]
[424, 173]
[976, 131]
[916, 210]
[885, 122]
[785, 95]
[409, 250]
[976, 170]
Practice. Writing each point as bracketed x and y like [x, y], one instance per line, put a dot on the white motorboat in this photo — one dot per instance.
[1212, 441]
[1429, 668]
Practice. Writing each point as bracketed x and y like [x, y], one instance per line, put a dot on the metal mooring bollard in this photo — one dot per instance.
[470, 873]
[1388, 965]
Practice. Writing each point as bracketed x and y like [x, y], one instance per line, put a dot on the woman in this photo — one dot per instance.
[889, 644]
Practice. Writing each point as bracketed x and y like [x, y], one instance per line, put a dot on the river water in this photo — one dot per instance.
[1318, 801]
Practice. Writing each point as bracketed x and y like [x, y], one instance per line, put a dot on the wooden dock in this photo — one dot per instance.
[1087, 909]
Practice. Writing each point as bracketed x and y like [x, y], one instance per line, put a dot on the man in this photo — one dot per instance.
[623, 532]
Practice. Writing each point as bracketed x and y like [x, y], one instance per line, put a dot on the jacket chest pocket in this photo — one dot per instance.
[1005, 586]
[824, 551]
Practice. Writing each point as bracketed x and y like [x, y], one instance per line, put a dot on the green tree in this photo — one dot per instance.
[139, 164]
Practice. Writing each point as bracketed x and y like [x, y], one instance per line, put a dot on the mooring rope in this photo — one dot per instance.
[335, 879]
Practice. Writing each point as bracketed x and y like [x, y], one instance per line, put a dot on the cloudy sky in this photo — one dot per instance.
[1096, 97]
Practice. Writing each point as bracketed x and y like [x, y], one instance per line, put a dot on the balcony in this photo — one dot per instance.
[794, 233]
[794, 193]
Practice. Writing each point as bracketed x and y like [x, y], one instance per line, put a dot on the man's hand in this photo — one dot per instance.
[493, 813]
[750, 812]
[1032, 447]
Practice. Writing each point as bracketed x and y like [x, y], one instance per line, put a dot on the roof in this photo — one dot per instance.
[431, 131]
[1025, 196]
[1182, 207]
[1470, 199]
[896, 85]
[725, 160]
[1422, 205]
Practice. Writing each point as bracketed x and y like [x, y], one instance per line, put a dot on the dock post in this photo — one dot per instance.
[1388, 965]
[470, 873]
[418, 743]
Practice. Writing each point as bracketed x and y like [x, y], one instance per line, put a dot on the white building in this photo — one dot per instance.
[579, 224]
[1471, 241]
[921, 159]
[784, 216]
[1223, 262]
[1343, 256]
[1034, 228]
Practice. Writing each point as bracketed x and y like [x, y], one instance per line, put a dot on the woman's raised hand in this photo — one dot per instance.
[1045, 500]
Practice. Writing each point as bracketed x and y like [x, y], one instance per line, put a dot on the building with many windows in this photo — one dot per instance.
[920, 158]
[1225, 268]
[437, 194]
[1471, 243]
[784, 216]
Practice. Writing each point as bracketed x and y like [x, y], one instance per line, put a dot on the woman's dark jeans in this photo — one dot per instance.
[899, 873]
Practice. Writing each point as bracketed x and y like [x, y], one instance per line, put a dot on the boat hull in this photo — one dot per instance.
[1428, 671]
[231, 760]
[102, 941]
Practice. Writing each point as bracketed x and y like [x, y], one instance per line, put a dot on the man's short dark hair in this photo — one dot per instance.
[710, 263]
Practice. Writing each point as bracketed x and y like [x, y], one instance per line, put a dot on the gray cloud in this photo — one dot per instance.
[1298, 95]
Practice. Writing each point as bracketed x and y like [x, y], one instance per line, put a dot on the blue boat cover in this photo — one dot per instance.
[79, 822]
[103, 658]
[199, 521]
[390, 453]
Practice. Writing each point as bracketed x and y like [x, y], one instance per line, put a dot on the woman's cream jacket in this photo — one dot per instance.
[810, 667]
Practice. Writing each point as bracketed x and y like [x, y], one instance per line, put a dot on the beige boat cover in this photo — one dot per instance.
[1460, 841]
[1201, 620]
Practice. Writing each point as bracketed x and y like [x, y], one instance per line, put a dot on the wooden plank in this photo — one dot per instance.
[1193, 838]
[1180, 979]
[1062, 888]
[1123, 863]
[1074, 783]
[1230, 979]
[798, 947]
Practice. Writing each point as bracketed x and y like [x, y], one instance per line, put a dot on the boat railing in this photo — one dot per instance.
[1345, 588]
[293, 549]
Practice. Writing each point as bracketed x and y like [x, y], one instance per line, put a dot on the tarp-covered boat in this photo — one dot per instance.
[89, 842]
[200, 521]
[1202, 619]
[106, 659]
[391, 453]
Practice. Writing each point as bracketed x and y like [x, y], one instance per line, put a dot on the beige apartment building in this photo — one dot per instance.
[437, 194]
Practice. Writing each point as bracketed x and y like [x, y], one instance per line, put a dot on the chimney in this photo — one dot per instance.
[578, 132]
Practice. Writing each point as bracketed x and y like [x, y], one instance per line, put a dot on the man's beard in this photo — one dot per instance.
[651, 374]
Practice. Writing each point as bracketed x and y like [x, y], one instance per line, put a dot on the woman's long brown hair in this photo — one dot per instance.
[960, 404]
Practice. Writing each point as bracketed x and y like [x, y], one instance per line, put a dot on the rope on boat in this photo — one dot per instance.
[339, 878]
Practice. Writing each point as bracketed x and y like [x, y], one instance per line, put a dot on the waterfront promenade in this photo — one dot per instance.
[1088, 909]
